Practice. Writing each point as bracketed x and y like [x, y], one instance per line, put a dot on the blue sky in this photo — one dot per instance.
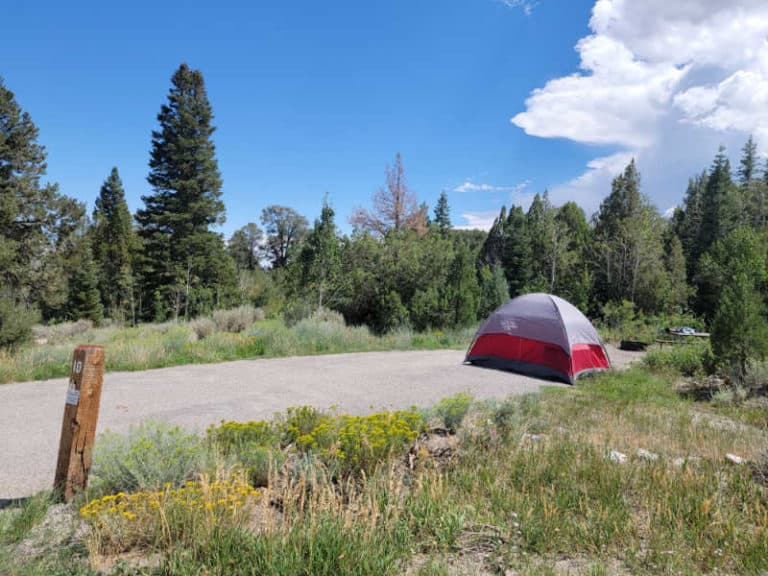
[486, 99]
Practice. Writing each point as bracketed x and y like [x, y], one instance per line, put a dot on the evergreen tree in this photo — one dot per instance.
[443, 214]
[423, 219]
[35, 220]
[112, 249]
[285, 229]
[393, 314]
[748, 164]
[756, 204]
[686, 222]
[628, 247]
[624, 202]
[754, 190]
[493, 290]
[361, 256]
[84, 299]
[184, 260]
[243, 246]
[463, 292]
[765, 173]
[572, 281]
[546, 243]
[492, 251]
[16, 322]
[721, 215]
[736, 266]
[516, 259]
[721, 210]
[319, 263]
[678, 291]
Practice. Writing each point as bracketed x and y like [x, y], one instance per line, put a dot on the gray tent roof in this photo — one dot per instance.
[542, 317]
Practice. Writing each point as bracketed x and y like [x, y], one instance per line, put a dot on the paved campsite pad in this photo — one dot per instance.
[195, 396]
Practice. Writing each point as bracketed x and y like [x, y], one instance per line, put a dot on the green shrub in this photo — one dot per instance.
[296, 311]
[515, 410]
[300, 422]
[350, 444]
[203, 327]
[687, 359]
[253, 444]
[236, 319]
[756, 378]
[451, 410]
[330, 316]
[16, 323]
[57, 333]
[392, 313]
[313, 335]
[366, 441]
[730, 395]
[623, 322]
[162, 519]
[259, 461]
[231, 436]
[149, 456]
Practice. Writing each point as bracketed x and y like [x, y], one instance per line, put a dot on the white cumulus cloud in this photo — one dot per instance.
[482, 220]
[590, 187]
[592, 108]
[654, 76]
[469, 186]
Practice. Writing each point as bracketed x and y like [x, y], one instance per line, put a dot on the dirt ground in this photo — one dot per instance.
[195, 396]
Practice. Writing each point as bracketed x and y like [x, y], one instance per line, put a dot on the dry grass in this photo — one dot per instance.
[529, 490]
[206, 341]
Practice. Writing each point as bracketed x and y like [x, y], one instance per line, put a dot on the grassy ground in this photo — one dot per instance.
[205, 341]
[524, 487]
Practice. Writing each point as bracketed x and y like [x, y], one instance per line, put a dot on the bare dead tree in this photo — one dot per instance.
[394, 207]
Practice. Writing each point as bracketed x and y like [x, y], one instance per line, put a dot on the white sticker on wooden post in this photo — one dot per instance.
[81, 412]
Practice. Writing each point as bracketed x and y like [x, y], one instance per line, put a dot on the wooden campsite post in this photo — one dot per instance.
[78, 429]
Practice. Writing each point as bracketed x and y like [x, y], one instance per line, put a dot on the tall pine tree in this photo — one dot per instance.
[754, 190]
[572, 280]
[185, 267]
[736, 269]
[113, 245]
[35, 220]
[721, 209]
[83, 298]
[443, 214]
[686, 221]
[318, 266]
[748, 164]
[721, 214]
[462, 289]
[516, 259]
[492, 251]
[546, 243]
[628, 247]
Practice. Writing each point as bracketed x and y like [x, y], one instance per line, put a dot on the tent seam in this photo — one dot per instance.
[569, 351]
[562, 323]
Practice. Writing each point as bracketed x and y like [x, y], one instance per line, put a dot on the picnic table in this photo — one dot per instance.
[679, 335]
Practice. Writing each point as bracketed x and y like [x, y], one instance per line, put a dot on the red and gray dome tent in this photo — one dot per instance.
[541, 335]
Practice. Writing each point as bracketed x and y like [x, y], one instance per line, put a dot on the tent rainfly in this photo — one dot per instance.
[541, 335]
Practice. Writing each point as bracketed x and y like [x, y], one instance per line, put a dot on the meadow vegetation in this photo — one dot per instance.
[524, 486]
[235, 334]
